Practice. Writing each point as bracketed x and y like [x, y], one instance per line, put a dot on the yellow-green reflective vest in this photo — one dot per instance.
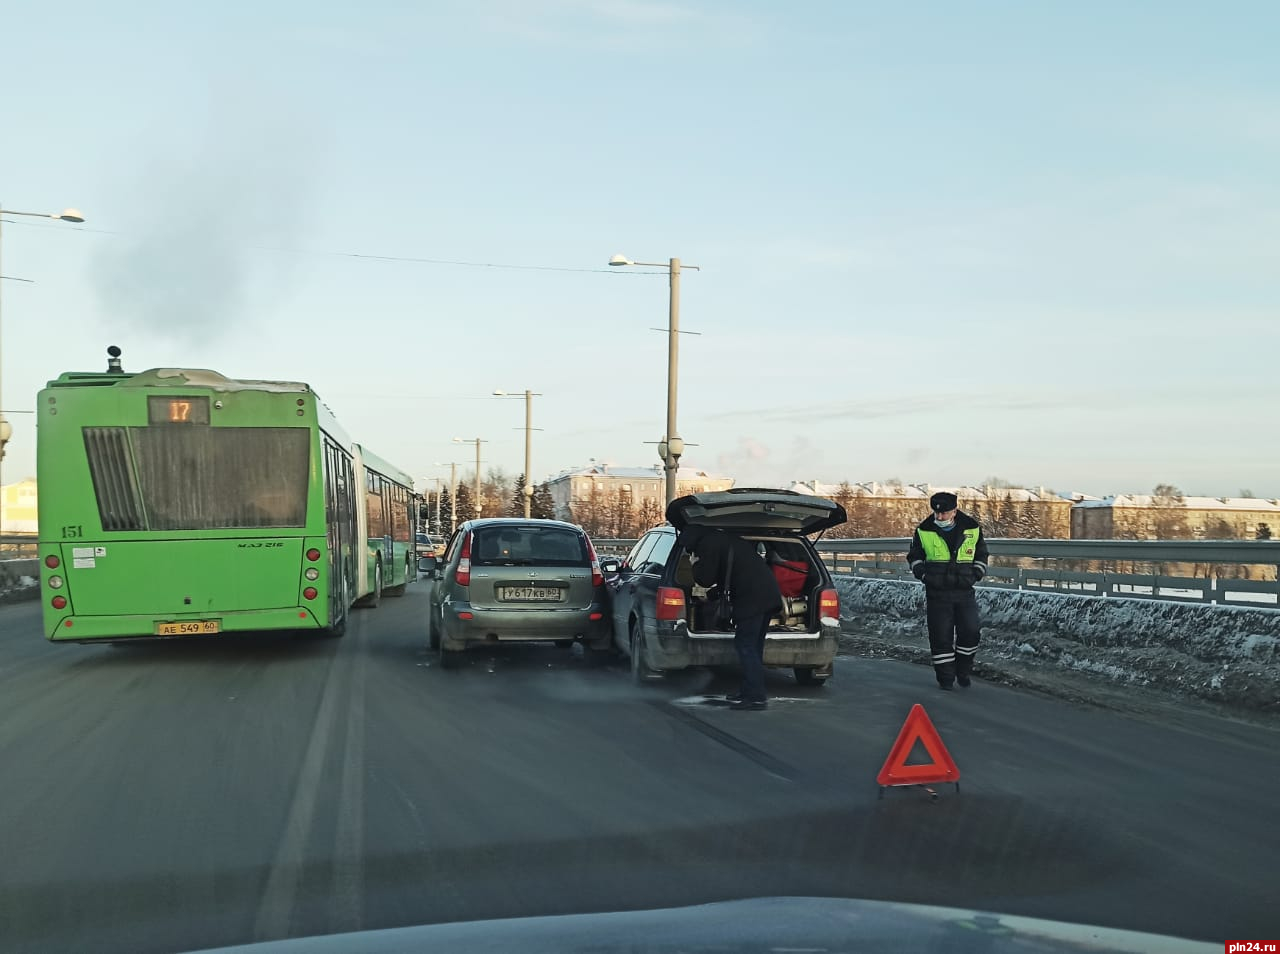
[937, 551]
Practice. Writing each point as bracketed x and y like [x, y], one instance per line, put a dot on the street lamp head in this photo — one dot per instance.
[70, 215]
[6, 431]
[620, 260]
[662, 450]
[676, 446]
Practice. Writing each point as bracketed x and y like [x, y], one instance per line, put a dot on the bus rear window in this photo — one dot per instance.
[210, 478]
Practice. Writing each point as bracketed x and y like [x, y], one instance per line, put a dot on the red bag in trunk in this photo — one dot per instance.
[791, 575]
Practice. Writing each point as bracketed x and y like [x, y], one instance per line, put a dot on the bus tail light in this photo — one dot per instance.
[52, 562]
[313, 554]
[312, 573]
[829, 604]
[309, 593]
[59, 602]
[462, 575]
[670, 603]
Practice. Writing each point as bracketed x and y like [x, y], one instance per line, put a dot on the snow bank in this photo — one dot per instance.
[1226, 654]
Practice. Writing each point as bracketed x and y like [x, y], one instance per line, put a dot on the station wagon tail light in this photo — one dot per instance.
[52, 562]
[670, 603]
[313, 554]
[829, 604]
[462, 575]
[597, 577]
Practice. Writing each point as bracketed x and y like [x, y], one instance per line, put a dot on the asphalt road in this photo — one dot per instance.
[167, 797]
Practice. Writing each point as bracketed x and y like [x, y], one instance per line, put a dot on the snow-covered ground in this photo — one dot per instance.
[1229, 655]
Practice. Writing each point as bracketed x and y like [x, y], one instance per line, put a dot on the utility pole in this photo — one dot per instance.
[478, 442]
[528, 445]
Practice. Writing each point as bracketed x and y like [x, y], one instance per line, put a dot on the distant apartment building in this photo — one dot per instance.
[18, 510]
[1150, 517]
[622, 500]
[894, 509]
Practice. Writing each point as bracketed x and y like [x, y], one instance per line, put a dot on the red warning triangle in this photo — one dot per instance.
[942, 768]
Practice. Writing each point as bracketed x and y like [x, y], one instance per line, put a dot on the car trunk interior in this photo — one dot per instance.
[798, 578]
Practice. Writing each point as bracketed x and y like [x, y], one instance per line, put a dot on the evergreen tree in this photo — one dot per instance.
[515, 508]
[543, 506]
[463, 506]
[446, 513]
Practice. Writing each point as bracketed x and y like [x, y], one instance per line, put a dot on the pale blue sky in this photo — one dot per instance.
[1031, 240]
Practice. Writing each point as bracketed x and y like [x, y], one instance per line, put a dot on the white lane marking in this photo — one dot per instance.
[275, 910]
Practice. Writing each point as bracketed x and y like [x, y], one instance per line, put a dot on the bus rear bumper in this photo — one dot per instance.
[91, 629]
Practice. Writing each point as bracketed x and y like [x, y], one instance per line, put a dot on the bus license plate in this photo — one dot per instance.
[189, 627]
[531, 594]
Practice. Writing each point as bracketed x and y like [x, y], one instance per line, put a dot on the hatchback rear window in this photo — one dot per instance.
[529, 546]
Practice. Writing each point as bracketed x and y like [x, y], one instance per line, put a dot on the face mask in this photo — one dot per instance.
[944, 526]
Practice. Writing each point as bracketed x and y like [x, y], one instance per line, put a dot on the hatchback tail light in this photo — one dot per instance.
[463, 573]
[597, 577]
[829, 604]
[670, 603]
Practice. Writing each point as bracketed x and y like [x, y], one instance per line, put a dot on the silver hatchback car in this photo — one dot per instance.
[508, 579]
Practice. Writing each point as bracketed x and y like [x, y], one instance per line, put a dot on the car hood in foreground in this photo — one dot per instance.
[751, 926]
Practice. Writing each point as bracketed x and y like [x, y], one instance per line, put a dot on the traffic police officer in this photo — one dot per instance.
[948, 554]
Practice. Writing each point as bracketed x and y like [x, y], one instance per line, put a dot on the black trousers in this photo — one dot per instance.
[748, 640]
[954, 627]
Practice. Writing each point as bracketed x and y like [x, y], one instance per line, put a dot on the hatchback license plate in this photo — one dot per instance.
[189, 627]
[530, 594]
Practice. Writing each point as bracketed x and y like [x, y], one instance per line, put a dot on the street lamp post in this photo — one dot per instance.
[478, 442]
[528, 455]
[453, 498]
[6, 429]
[671, 446]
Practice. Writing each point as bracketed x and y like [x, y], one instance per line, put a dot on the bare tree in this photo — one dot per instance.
[1168, 513]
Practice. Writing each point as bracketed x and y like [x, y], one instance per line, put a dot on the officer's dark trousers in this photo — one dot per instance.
[952, 616]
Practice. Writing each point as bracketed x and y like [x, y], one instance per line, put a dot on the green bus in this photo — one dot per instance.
[179, 502]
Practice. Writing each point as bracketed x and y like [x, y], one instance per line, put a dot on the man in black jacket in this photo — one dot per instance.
[948, 554]
[723, 558]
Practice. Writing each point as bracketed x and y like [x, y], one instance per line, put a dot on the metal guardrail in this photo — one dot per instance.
[843, 558]
[864, 557]
[1259, 552]
[17, 546]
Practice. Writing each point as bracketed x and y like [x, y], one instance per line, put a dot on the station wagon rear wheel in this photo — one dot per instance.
[641, 672]
[807, 676]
